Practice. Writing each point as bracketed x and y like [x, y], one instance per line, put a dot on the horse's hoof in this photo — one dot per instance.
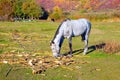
[84, 54]
[69, 56]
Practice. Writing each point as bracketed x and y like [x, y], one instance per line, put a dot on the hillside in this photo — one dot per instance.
[68, 5]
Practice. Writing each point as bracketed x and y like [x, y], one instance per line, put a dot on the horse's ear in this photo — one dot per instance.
[52, 42]
[67, 19]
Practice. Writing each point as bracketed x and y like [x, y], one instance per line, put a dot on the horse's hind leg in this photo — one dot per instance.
[70, 45]
[86, 46]
[85, 39]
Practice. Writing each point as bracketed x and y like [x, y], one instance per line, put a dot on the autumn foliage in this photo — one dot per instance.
[69, 5]
[34, 9]
[6, 9]
[56, 14]
[63, 4]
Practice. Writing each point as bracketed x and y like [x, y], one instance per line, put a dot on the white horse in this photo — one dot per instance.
[68, 29]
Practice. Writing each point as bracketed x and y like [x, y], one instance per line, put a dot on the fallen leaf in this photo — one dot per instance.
[98, 69]
[5, 62]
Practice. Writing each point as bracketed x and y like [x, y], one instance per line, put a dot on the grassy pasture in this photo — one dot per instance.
[34, 37]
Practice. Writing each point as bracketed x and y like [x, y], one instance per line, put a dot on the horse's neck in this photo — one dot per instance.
[59, 39]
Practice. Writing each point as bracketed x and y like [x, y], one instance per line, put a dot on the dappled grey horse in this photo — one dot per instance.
[68, 29]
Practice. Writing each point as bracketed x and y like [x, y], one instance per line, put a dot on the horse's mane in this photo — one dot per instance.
[57, 31]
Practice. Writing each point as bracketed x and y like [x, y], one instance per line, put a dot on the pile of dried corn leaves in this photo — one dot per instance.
[37, 63]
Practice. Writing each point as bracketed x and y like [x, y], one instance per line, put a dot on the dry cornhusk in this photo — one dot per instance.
[109, 47]
[112, 47]
[38, 64]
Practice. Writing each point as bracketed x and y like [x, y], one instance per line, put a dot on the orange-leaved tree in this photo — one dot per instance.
[6, 9]
[57, 13]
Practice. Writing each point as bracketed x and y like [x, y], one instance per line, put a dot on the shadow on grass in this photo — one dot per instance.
[90, 49]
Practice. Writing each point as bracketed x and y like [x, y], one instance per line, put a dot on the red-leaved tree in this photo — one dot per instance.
[65, 5]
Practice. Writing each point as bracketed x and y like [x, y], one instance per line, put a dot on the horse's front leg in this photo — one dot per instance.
[70, 45]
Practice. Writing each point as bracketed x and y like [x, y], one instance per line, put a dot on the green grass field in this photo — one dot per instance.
[34, 37]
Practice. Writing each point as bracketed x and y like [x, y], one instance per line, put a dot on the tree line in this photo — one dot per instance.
[19, 9]
[54, 9]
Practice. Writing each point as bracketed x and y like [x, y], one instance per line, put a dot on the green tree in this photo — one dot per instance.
[18, 8]
[6, 9]
[31, 9]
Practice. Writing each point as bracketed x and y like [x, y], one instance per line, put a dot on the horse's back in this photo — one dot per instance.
[79, 26]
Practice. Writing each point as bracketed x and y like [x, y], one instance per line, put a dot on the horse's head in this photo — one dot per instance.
[55, 49]
[57, 41]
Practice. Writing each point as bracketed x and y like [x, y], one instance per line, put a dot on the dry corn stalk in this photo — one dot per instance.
[112, 47]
